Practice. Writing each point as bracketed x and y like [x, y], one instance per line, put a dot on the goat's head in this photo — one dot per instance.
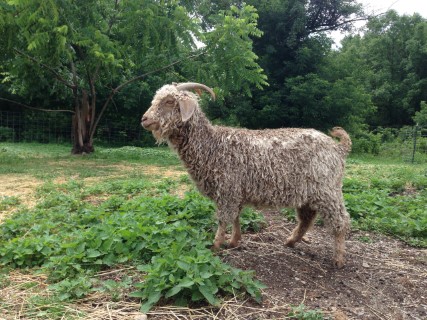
[172, 106]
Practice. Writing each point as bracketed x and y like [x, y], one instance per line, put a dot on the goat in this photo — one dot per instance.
[296, 168]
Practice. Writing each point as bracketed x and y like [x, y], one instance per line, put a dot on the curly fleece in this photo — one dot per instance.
[298, 168]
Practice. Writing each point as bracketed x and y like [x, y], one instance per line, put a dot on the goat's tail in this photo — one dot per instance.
[345, 141]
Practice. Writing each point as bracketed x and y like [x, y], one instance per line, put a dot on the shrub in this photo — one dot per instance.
[6, 134]
[366, 142]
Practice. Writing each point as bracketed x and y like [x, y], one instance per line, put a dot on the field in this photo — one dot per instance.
[123, 232]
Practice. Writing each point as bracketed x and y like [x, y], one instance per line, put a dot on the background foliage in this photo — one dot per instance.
[75, 56]
[375, 79]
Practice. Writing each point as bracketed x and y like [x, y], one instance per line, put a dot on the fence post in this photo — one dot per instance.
[415, 143]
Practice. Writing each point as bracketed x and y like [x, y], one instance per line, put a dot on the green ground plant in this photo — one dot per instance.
[105, 213]
[139, 222]
[71, 240]
[8, 201]
[301, 312]
[388, 197]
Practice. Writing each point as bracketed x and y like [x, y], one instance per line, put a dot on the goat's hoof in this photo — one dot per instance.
[233, 244]
[339, 263]
[305, 240]
[290, 243]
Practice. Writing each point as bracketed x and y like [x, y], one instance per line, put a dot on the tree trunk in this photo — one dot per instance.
[82, 125]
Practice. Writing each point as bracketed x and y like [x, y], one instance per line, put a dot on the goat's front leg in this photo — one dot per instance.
[236, 234]
[220, 235]
[305, 217]
[228, 210]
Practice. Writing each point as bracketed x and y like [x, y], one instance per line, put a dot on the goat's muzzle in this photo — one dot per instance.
[149, 124]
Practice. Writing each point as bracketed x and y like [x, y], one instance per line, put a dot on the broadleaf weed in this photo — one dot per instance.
[77, 230]
[72, 240]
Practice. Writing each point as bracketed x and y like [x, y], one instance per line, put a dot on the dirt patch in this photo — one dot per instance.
[20, 186]
[24, 186]
[408, 190]
[120, 171]
[383, 279]
[166, 172]
[21, 287]
[171, 173]
[115, 171]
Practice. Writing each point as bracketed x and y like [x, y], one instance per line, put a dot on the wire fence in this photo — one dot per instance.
[30, 127]
[409, 143]
[56, 128]
[414, 143]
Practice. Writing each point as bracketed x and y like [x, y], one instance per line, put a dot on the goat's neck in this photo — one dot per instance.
[192, 138]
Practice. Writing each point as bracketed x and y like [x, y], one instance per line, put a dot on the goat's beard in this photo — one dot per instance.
[166, 129]
[159, 136]
[162, 135]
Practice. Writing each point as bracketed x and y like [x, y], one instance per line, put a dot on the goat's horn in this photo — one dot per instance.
[194, 85]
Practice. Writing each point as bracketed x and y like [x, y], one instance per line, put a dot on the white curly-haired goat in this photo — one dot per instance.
[298, 168]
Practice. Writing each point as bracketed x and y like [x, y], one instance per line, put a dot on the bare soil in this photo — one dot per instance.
[383, 279]
[18, 185]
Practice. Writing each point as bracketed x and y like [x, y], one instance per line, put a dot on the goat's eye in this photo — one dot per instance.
[170, 102]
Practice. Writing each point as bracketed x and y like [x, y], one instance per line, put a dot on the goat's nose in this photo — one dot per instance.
[143, 118]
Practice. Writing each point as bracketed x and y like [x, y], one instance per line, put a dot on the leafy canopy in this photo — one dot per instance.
[52, 44]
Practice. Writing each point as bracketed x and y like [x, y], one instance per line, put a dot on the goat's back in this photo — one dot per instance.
[282, 167]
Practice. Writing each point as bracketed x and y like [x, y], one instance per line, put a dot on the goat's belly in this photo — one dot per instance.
[266, 195]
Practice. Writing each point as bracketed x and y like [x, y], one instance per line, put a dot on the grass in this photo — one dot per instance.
[388, 197]
[99, 212]
[46, 161]
[127, 223]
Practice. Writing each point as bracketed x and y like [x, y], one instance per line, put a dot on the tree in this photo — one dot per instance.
[420, 117]
[396, 51]
[76, 50]
[293, 45]
[293, 40]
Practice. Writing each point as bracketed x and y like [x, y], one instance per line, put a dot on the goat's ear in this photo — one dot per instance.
[187, 108]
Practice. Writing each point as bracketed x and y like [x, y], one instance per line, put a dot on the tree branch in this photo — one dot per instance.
[57, 75]
[326, 27]
[33, 108]
[117, 89]
[321, 28]
[157, 70]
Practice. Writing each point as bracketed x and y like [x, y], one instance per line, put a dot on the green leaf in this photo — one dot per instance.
[207, 293]
[206, 275]
[186, 283]
[91, 253]
[152, 300]
[173, 291]
[183, 265]
[138, 294]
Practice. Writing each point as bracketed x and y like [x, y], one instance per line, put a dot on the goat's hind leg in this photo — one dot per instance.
[339, 249]
[305, 217]
[340, 228]
[337, 220]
